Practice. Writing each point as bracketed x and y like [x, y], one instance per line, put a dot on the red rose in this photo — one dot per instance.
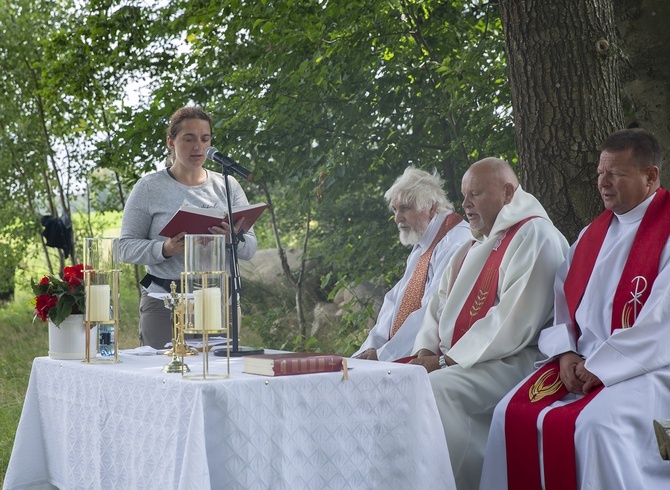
[44, 303]
[44, 281]
[72, 281]
[74, 272]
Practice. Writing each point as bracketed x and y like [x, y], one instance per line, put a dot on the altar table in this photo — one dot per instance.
[128, 425]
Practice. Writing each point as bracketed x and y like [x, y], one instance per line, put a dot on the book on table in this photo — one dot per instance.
[198, 221]
[292, 363]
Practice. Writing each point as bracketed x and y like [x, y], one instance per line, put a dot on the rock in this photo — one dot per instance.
[324, 317]
[265, 267]
[357, 296]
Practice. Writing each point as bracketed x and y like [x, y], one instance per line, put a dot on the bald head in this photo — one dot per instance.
[499, 169]
[487, 186]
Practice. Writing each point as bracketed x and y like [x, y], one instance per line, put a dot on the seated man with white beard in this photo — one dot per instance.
[427, 222]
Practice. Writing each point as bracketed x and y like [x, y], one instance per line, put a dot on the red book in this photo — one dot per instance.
[292, 363]
[197, 221]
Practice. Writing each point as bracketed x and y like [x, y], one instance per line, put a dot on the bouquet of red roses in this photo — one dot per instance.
[56, 298]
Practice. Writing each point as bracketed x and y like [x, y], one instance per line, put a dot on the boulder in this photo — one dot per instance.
[265, 267]
[356, 296]
[324, 317]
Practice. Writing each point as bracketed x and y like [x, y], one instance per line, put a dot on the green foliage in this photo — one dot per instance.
[268, 316]
[327, 102]
[330, 102]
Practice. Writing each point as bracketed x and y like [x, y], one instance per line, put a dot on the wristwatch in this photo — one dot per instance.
[442, 361]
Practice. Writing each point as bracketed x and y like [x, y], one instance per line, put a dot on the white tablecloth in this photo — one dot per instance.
[130, 426]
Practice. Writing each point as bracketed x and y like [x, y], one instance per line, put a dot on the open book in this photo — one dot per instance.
[197, 221]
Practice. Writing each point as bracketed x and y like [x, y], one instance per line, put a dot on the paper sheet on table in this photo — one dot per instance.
[199, 344]
[162, 296]
[144, 350]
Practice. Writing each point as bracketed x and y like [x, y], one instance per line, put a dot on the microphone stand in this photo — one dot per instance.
[236, 284]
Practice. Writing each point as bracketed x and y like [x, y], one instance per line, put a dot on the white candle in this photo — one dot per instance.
[97, 303]
[207, 311]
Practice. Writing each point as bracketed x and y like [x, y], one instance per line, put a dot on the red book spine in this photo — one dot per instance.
[306, 365]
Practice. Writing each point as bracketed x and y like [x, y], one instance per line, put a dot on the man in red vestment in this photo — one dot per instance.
[584, 419]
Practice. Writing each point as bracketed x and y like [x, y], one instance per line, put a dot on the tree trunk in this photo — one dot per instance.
[564, 78]
[297, 283]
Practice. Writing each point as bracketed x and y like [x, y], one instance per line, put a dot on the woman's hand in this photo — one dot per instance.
[174, 246]
[224, 229]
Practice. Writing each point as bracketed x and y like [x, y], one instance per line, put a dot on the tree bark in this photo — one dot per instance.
[297, 283]
[564, 80]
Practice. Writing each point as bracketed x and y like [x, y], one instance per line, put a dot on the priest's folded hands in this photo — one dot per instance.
[431, 361]
[576, 378]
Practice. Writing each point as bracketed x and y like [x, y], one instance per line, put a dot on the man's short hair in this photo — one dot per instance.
[646, 150]
[418, 188]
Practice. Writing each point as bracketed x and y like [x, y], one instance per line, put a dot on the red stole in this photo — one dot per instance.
[483, 293]
[544, 387]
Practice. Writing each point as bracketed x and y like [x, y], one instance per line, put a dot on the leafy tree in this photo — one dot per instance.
[644, 47]
[327, 101]
[29, 129]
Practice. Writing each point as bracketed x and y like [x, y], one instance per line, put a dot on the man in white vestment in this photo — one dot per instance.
[584, 419]
[479, 336]
[427, 222]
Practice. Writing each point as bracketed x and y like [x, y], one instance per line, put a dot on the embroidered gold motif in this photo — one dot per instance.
[539, 391]
[479, 302]
[633, 305]
[625, 316]
[481, 295]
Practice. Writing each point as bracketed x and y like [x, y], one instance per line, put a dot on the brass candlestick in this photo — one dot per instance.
[179, 348]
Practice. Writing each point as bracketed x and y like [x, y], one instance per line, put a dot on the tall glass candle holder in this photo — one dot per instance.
[101, 278]
[205, 285]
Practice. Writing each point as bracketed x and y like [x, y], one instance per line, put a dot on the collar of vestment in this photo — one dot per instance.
[433, 227]
[638, 212]
[522, 206]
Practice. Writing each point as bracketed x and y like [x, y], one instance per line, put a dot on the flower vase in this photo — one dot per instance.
[69, 340]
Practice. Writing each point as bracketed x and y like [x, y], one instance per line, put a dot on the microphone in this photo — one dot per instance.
[217, 157]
